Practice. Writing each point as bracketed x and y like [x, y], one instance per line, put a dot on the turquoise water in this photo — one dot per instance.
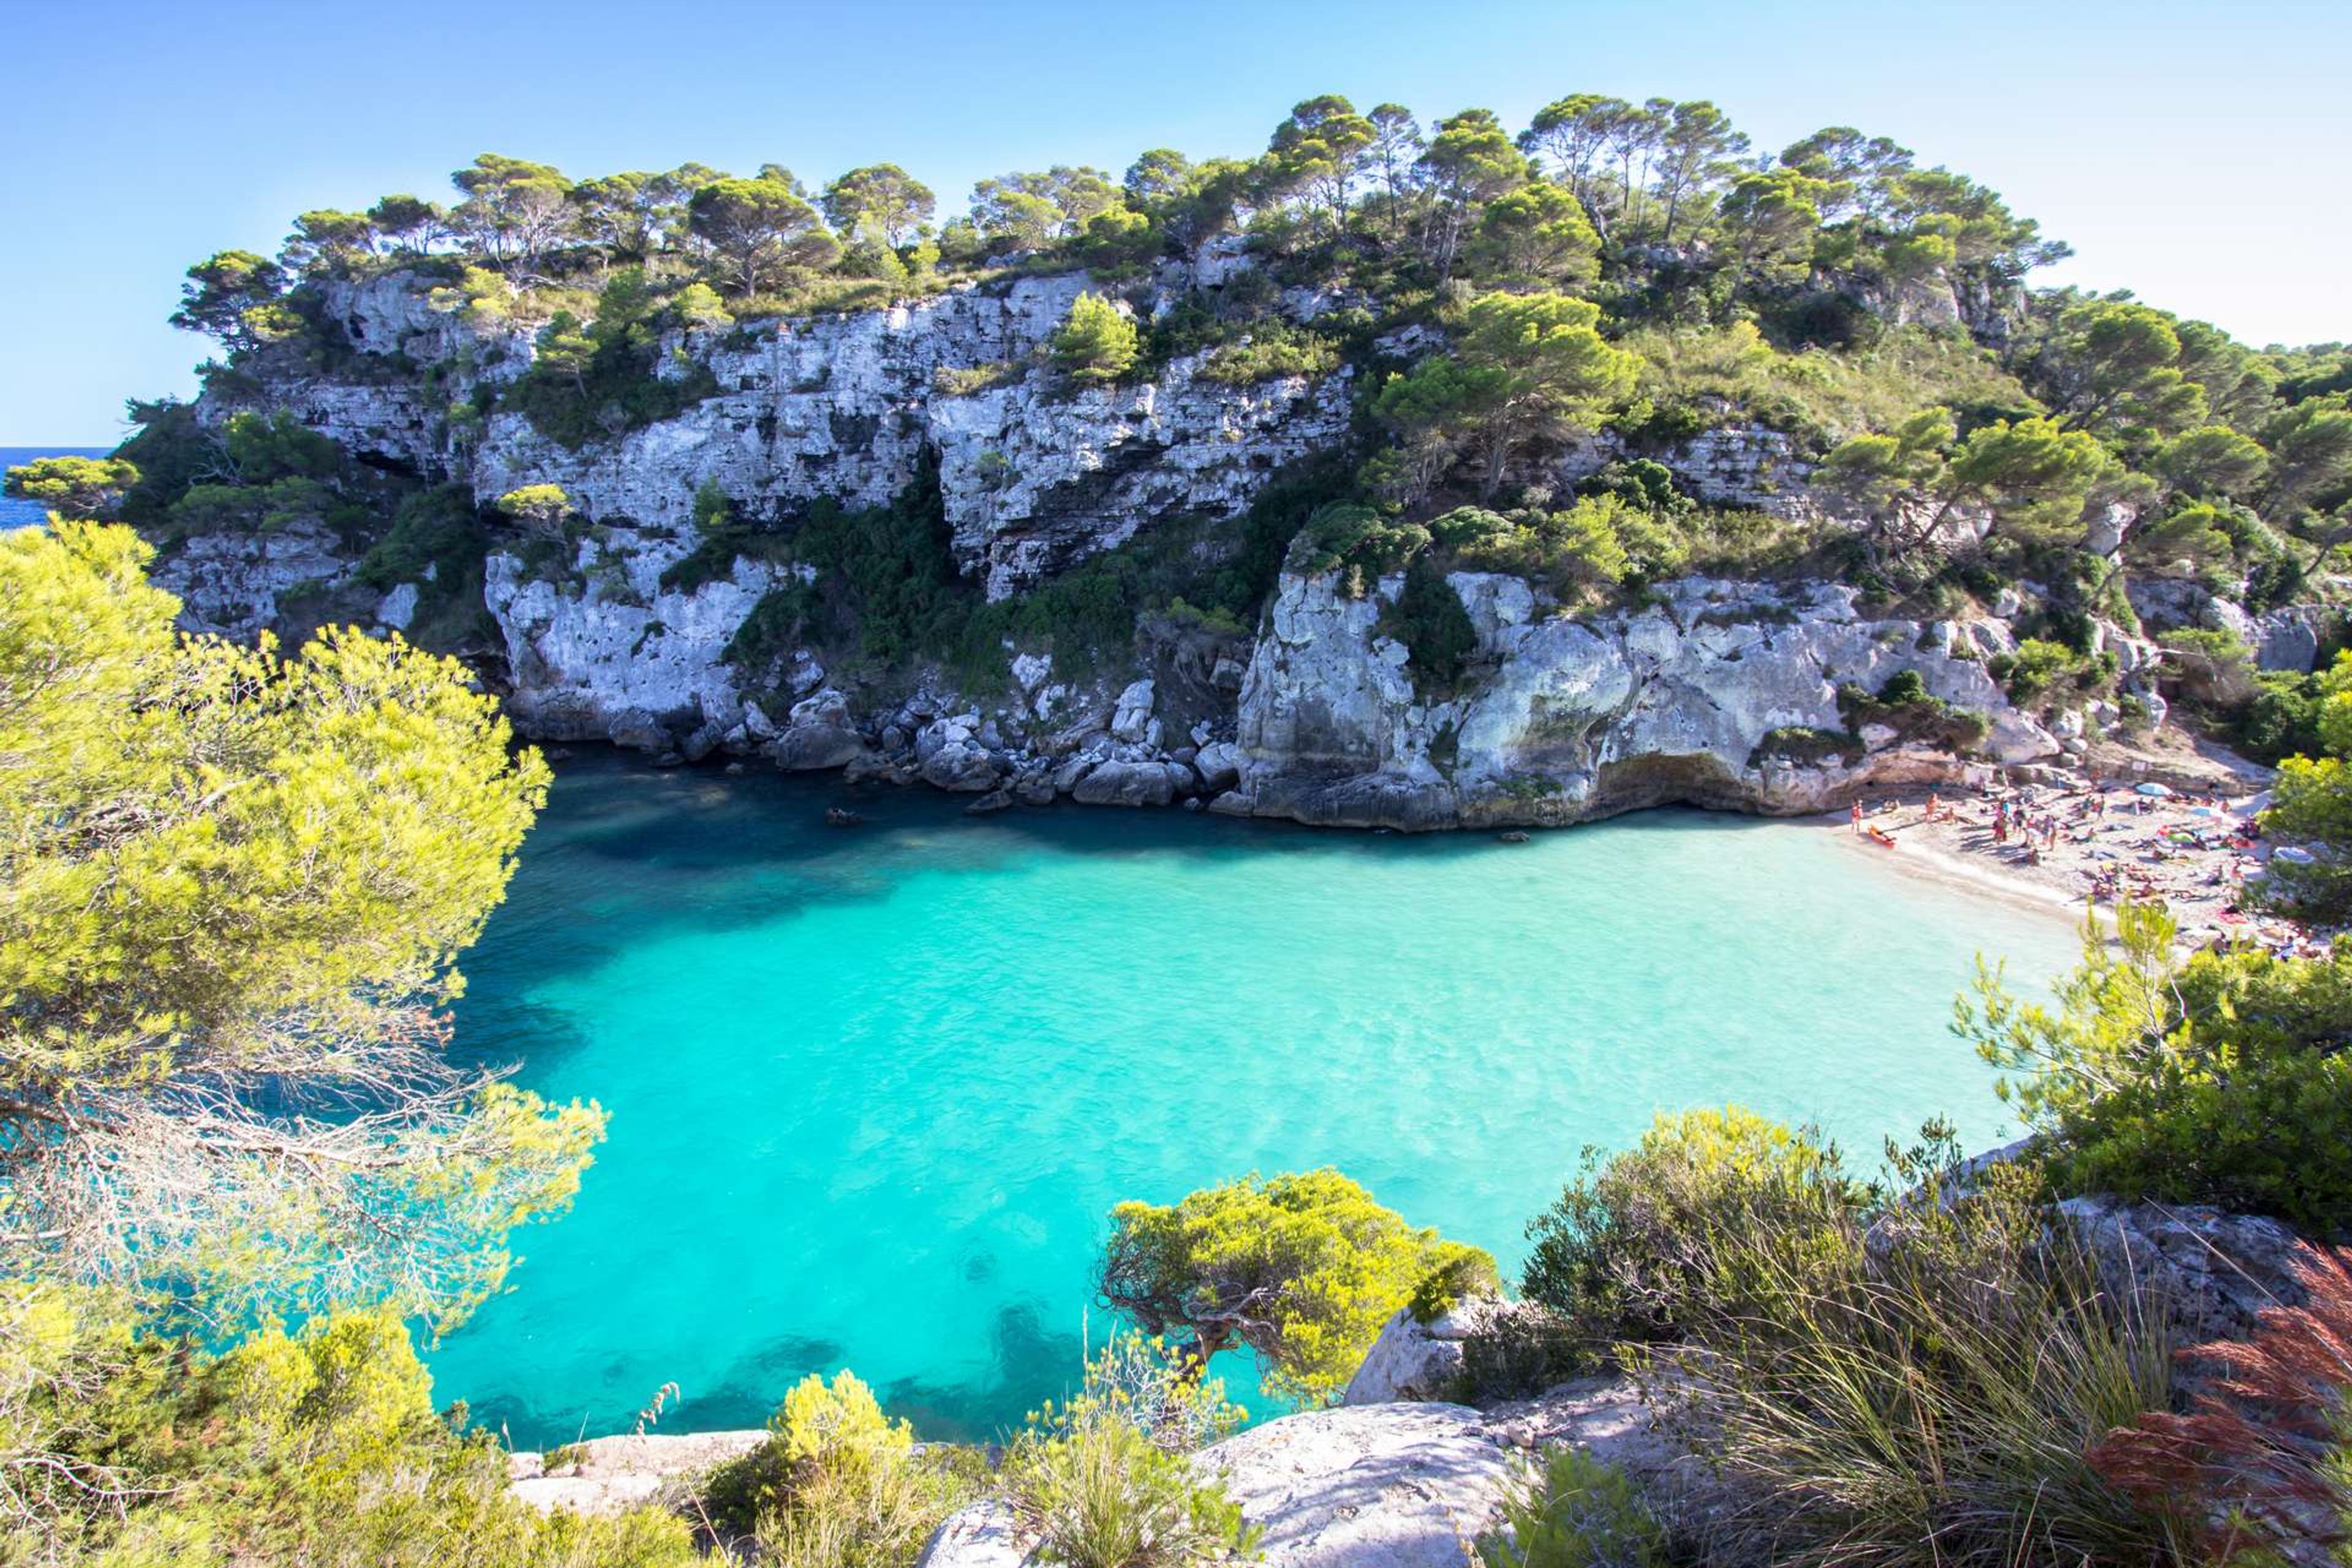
[874, 1089]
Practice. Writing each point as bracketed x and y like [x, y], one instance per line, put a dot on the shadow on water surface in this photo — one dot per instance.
[1029, 1358]
[637, 853]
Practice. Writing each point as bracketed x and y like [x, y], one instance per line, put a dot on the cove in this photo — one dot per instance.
[874, 1090]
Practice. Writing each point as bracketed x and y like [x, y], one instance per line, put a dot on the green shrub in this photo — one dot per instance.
[1522, 1352]
[1918, 1385]
[279, 446]
[1804, 744]
[838, 1484]
[1904, 687]
[1429, 619]
[724, 541]
[957, 381]
[1907, 1379]
[1301, 1268]
[1217, 622]
[320, 1446]
[1816, 394]
[1643, 484]
[1161, 1391]
[1470, 1273]
[1097, 1492]
[600, 382]
[437, 530]
[1349, 534]
[1095, 344]
[1596, 544]
[437, 541]
[893, 567]
[2037, 668]
[1625, 1253]
[1273, 347]
[1905, 705]
[2282, 719]
[1575, 1512]
[2217, 1080]
[773, 629]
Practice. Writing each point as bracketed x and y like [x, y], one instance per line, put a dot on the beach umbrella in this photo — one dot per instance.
[2155, 789]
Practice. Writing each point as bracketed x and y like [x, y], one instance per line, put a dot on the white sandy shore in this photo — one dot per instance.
[2184, 850]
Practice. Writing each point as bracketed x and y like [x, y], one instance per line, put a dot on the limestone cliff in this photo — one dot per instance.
[1313, 714]
[1569, 718]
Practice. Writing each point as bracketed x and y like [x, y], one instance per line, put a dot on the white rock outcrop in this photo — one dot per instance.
[1566, 718]
[1380, 1486]
[610, 1475]
[1413, 1360]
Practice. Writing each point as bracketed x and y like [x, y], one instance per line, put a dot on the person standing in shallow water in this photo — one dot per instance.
[1857, 819]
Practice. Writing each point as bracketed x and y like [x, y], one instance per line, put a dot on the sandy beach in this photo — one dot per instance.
[2063, 846]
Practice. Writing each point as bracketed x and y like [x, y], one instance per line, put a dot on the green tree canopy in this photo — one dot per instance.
[74, 486]
[761, 228]
[1302, 1269]
[238, 881]
[541, 507]
[1547, 368]
[328, 242]
[2114, 366]
[514, 210]
[1469, 163]
[319, 1447]
[626, 215]
[1769, 220]
[883, 196]
[2219, 1079]
[408, 223]
[1317, 150]
[2211, 460]
[1536, 237]
[2311, 805]
[2034, 474]
[1027, 211]
[224, 290]
[1095, 343]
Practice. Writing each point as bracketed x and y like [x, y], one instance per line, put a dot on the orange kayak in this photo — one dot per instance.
[1881, 837]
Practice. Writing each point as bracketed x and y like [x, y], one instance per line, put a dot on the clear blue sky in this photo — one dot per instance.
[2199, 154]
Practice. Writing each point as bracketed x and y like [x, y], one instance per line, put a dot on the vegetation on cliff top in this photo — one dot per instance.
[1634, 271]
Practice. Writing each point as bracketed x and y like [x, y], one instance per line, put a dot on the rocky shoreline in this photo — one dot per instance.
[1400, 1474]
[1561, 720]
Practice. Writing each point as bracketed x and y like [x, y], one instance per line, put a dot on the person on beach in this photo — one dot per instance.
[1857, 819]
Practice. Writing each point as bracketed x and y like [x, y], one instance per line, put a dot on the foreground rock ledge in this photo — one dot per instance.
[613, 1474]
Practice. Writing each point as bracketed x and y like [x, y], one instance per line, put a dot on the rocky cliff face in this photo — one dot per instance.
[1567, 718]
[1314, 714]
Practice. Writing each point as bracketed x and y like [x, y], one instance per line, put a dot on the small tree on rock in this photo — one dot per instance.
[541, 508]
[1303, 1269]
[74, 486]
[1097, 342]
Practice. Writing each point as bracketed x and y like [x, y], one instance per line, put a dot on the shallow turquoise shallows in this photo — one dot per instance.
[874, 1089]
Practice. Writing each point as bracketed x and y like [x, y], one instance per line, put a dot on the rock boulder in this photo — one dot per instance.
[1378, 1486]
